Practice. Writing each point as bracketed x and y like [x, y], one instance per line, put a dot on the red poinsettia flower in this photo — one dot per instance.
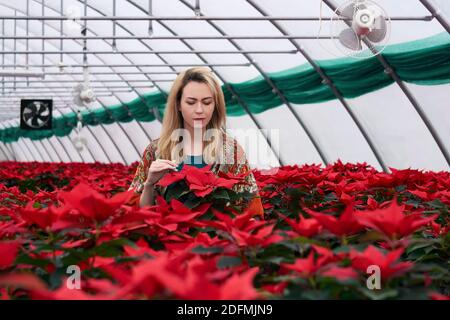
[439, 296]
[325, 264]
[43, 218]
[203, 181]
[9, 229]
[263, 237]
[304, 227]
[175, 213]
[438, 230]
[340, 273]
[93, 205]
[392, 221]
[389, 263]
[8, 253]
[172, 177]
[202, 281]
[276, 288]
[306, 267]
[345, 224]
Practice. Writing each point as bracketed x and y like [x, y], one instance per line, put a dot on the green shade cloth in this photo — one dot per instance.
[424, 62]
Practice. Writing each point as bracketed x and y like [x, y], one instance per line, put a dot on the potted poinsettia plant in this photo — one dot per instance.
[195, 186]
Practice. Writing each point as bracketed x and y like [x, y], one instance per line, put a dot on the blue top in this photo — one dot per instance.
[196, 161]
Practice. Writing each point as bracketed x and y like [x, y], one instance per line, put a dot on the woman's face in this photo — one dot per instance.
[196, 105]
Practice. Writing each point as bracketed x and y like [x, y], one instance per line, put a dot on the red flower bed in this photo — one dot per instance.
[324, 228]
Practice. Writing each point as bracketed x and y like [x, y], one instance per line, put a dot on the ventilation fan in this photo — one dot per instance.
[36, 114]
[360, 28]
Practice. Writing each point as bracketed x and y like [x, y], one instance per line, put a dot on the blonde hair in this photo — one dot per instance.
[173, 119]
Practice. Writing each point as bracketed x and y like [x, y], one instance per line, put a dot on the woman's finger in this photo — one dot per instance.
[173, 163]
[163, 166]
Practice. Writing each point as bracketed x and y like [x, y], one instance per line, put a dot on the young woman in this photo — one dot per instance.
[193, 133]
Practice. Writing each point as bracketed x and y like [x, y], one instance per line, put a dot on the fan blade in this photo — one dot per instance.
[42, 108]
[35, 122]
[43, 118]
[378, 34]
[349, 39]
[45, 112]
[27, 116]
[31, 107]
[348, 12]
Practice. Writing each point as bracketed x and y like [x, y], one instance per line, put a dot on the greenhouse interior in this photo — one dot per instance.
[322, 130]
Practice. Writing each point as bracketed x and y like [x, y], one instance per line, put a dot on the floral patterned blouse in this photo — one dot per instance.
[235, 163]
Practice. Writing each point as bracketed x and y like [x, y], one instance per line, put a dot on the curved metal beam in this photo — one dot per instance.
[31, 147]
[58, 158]
[8, 154]
[114, 143]
[3, 125]
[240, 101]
[5, 154]
[437, 14]
[68, 154]
[92, 134]
[35, 153]
[388, 68]
[8, 145]
[36, 142]
[326, 80]
[274, 87]
[10, 150]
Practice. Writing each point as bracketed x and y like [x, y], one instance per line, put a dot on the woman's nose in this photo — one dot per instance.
[199, 108]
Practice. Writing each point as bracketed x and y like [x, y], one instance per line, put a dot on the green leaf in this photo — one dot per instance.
[221, 194]
[26, 259]
[382, 294]
[111, 248]
[207, 250]
[228, 262]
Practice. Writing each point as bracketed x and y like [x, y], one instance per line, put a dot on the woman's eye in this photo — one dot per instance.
[191, 103]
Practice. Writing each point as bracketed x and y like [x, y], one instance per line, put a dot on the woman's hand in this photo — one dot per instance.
[158, 169]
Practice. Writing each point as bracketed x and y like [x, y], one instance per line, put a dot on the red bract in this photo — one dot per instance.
[8, 253]
[93, 205]
[9, 229]
[388, 263]
[306, 267]
[199, 286]
[305, 227]
[340, 273]
[439, 296]
[392, 221]
[175, 213]
[203, 181]
[345, 224]
[437, 230]
[244, 222]
[324, 264]
[172, 177]
[200, 180]
[263, 237]
[43, 218]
